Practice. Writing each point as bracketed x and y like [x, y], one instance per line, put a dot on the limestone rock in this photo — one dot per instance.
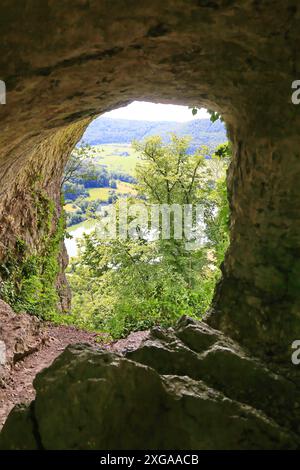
[196, 350]
[89, 399]
[62, 285]
[20, 434]
[219, 54]
[20, 335]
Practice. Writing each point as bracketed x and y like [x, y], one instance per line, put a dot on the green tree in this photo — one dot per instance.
[123, 285]
[80, 164]
[168, 174]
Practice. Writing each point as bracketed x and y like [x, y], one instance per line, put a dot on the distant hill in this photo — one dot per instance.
[106, 131]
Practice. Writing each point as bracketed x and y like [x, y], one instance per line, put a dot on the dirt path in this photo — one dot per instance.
[19, 388]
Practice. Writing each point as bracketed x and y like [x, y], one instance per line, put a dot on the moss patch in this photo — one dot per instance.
[28, 278]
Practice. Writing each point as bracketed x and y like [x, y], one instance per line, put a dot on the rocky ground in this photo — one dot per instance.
[18, 384]
[78, 393]
[199, 386]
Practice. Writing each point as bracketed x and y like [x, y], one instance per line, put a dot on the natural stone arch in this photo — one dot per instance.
[62, 69]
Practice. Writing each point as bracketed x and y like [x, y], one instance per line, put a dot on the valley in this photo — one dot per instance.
[109, 156]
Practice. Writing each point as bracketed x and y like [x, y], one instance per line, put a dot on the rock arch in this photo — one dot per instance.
[67, 62]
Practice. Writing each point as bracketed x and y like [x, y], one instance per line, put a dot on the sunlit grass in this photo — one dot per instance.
[114, 157]
[98, 193]
[125, 188]
[70, 207]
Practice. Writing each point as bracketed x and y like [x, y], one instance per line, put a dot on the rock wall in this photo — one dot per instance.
[258, 300]
[31, 217]
[20, 335]
[31, 187]
[69, 61]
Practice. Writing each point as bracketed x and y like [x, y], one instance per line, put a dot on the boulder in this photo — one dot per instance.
[93, 399]
[20, 426]
[202, 353]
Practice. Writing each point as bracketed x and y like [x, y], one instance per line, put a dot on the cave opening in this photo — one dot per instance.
[145, 201]
[228, 381]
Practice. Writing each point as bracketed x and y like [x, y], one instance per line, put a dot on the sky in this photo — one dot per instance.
[143, 111]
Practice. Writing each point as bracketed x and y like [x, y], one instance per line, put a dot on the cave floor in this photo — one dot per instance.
[19, 386]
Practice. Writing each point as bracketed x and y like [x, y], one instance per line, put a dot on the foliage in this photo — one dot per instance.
[80, 164]
[137, 294]
[214, 115]
[87, 181]
[28, 279]
[73, 191]
[124, 285]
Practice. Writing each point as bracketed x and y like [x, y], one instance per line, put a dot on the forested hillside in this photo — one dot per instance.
[107, 130]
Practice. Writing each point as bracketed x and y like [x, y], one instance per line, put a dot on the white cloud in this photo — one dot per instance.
[144, 111]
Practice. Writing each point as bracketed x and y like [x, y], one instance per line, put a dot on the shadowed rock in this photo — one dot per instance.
[218, 54]
[20, 335]
[196, 350]
[167, 397]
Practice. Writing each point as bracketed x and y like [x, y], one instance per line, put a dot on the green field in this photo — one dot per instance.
[121, 158]
[103, 193]
[110, 155]
[125, 188]
[98, 193]
[70, 207]
[83, 227]
[117, 158]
